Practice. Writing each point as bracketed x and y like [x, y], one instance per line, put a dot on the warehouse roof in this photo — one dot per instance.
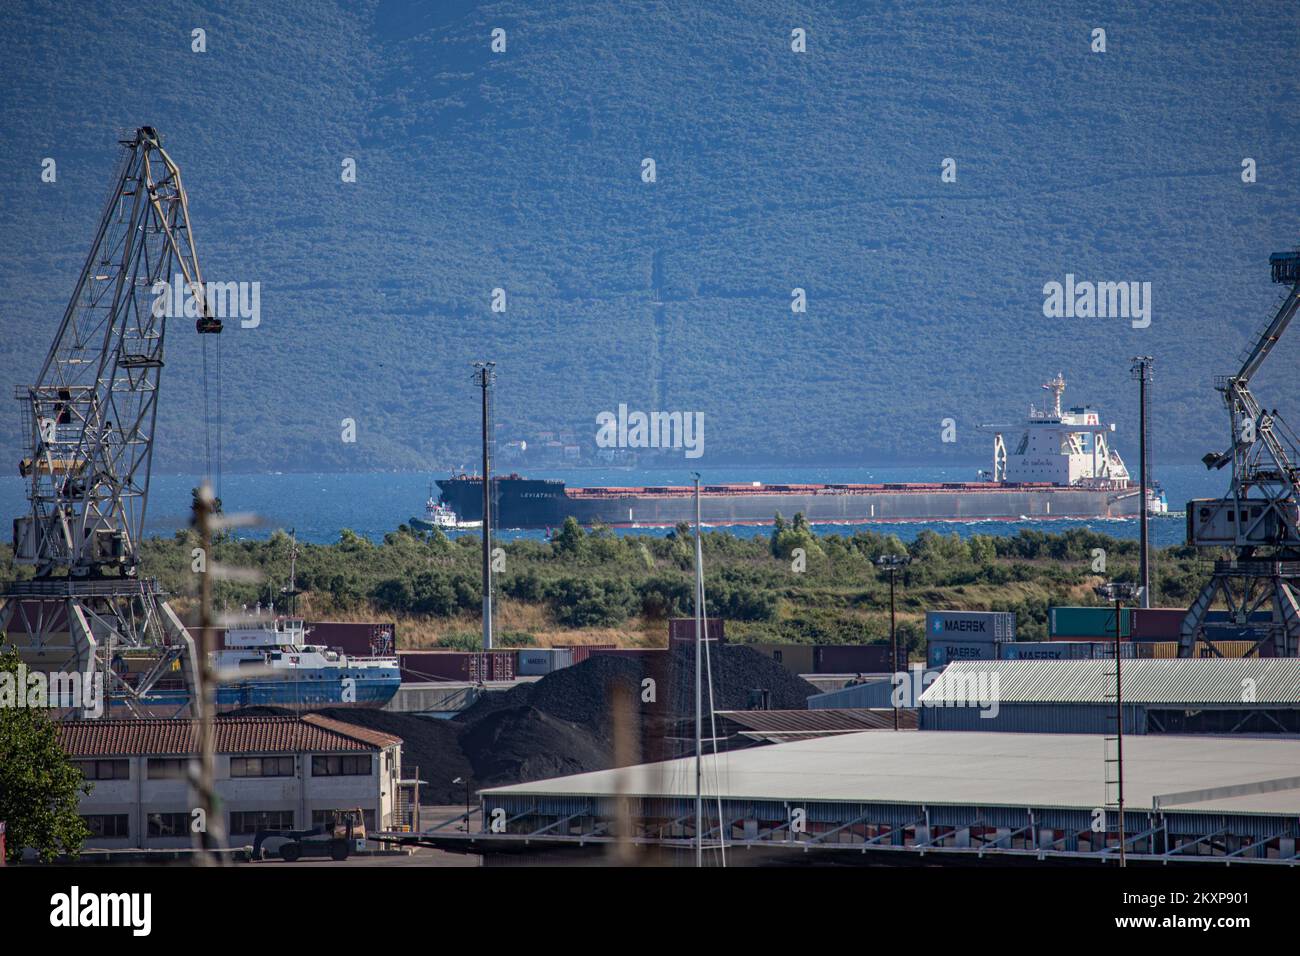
[961, 768]
[1205, 680]
[779, 726]
[234, 735]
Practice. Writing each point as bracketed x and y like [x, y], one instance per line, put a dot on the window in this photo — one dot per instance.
[169, 824]
[108, 825]
[168, 768]
[105, 769]
[250, 821]
[352, 765]
[261, 767]
[326, 818]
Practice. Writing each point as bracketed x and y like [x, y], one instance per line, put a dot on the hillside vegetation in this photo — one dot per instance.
[776, 171]
[595, 587]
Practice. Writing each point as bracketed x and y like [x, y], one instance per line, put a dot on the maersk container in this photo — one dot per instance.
[942, 653]
[1086, 622]
[970, 627]
[1065, 650]
[539, 661]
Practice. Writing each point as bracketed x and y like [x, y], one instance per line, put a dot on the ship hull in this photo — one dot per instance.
[368, 693]
[525, 504]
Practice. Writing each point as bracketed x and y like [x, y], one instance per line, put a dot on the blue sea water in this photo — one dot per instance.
[319, 506]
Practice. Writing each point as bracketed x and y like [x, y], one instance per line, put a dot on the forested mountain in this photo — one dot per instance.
[776, 170]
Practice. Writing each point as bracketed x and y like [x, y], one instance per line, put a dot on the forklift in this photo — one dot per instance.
[333, 840]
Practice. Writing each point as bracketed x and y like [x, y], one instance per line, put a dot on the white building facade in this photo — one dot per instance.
[272, 773]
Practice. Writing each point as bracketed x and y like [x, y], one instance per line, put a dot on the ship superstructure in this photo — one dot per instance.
[1067, 447]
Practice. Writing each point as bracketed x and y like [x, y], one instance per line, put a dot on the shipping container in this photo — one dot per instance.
[1065, 650]
[354, 639]
[645, 654]
[796, 658]
[941, 653]
[582, 651]
[1086, 622]
[855, 659]
[970, 626]
[471, 666]
[539, 661]
[1233, 649]
[683, 629]
[1157, 623]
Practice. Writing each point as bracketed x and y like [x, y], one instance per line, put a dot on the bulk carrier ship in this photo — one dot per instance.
[1062, 466]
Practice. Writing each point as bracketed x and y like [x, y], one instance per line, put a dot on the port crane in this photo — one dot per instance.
[1259, 519]
[90, 419]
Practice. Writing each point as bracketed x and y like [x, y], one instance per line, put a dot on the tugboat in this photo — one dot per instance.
[440, 517]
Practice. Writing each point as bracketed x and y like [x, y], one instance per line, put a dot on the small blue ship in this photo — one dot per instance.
[286, 671]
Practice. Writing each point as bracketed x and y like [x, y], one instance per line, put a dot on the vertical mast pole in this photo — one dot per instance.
[484, 375]
[699, 685]
[1142, 372]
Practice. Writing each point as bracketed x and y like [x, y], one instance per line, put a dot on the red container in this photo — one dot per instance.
[472, 666]
[582, 651]
[683, 629]
[853, 659]
[1157, 623]
[364, 639]
[648, 654]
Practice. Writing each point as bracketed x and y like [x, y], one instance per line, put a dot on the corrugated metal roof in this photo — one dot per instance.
[771, 724]
[965, 768]
[234, 735]
[1275, 680]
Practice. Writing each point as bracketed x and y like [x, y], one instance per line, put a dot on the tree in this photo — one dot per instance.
[40, 787]
[571, 538]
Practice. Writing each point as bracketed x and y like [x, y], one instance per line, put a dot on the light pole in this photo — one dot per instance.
[484, 378]
[1119, 592]
[465, 781]
[1142, 372]
[891, 563]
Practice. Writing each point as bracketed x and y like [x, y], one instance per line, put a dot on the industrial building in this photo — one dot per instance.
[1180, 696]
[1028, 796]
[272, 773]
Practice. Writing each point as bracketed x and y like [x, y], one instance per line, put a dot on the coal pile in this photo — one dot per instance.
[564, 723]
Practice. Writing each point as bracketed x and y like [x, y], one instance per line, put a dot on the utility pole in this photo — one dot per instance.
[212, 835]
[484, 378]
[1142, 372]
[1118, 592]
[699, 684]
[891, 563]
